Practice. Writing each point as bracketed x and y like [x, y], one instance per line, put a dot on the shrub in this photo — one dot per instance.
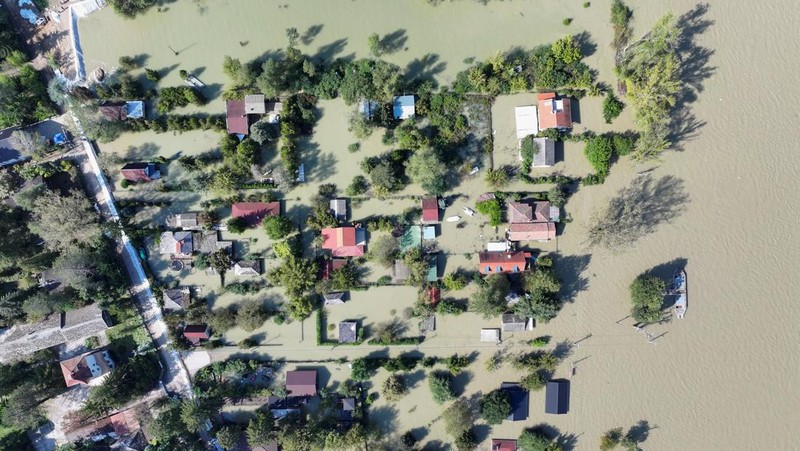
[612, 107]
[247, 343]
[493, 209]
[278, 227]
[454, 282]
[439, 383]
[593, 179]
[353, 148]
[361, 369]
[152, 74]
[528, 150]
[394, 388]
[647, 296]
[429, 362]
[358, 186]
[598, 151]
[127, 63]
[237, 225]
[587, 4]
[456, 363]
[467, 441]
[495, 406]
[567, 21]
[125, 183]
[540, 342]
[623, 143]
[251, 316]
[450, 307]
[533, 381]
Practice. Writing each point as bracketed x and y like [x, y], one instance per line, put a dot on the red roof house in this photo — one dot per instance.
[235, 117]
[85, 368]
[504, 444]
[255, 212]
[140, 172]
[496, 262]
[430, 209]
[327, 267]
[301, 382]
[196, 333]
[554, 113]
[124, 422]
[344, 241]
[530, 222]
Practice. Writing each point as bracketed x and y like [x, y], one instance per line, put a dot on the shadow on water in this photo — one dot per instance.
[146, 151]
[329, 51]
[482, 432]
[585, 43]
[212, 91]
[394, 41]
[385, 417]
[570, 270]
[310, 34]
[424, 68]
[640, 432]
[576, 111]
[164, 71]
[694, 69]
[460, 381]
[318, 166]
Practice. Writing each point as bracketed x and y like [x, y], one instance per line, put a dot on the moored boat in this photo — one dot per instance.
[679, 290]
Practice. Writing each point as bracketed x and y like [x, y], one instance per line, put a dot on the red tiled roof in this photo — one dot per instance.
[329, 266]
[235, 117]
[499, 444]
[301, 383]
[196, 332]
[341, 241]
[534, 231]
[430, 209]
[541, 211]
[74, 373]
[493, 262]
[255, 212]
[124, 423]
[549, 116]
[519, 213]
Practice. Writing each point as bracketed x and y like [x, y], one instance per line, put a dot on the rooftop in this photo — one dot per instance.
[344, 241]
[235, 117]
[430, 209]
[255, 104]
[176, 298]
[553, 112]
[403, 107]
[348, 332]
[247, 268]
[527, 121]
[301, 382]
[255, 212]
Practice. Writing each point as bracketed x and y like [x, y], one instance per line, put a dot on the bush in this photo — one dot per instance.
[247, 343]
[127, 63]
[598, 151]
[593, 179]
[152, 74]
[533, 381]
[358, 186]
[454, 282]
[647, 296]
[450, 307]
[540, 342]
[278, 227]
[353, 148]
[361, 369]
[394, 388]
[495, 406]
[493, 209]
[467, 441]
[528, 150]
[251, 316]
[567, 21]
[456, 363]
[612, 107]
[623, 143]
[439, 383]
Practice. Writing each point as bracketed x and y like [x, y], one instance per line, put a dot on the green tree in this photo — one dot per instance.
[426, 168]
[538, 304]
[598, 151]
[220, 261]
[384, 179]
[556, 196]
[278, 227]
[293, 36]
[567, 50]
[493, 209]
[296, 275]
[612, 107]
[533, 439]
[620, 19]
[237, 225]
[375, 45]
[261, 429]
[251, 315]
[228, 436]
[358, 186]
[533, 381]
[467, 441]
[263, 132]
[194, 414]
[497, 178]
[361, 369]
[439, 383]
[300, 307]
[359, 125]
[541, 279]
[458, 417]
[346, 277]
[495, 406]
[394, 388]
[222, 319]
[454, 282]
[64, 221]
[490, 298]
[152, 74]
[647, 296]
[37, 306]
[383, 250]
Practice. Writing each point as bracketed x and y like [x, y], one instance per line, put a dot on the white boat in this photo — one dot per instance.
[469, 211]
[679, 290]
[453, 219]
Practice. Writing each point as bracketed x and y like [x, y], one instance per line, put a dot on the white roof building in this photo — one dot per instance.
[527, 121]
[403, 107]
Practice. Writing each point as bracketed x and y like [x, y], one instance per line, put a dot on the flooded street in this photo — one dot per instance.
[723, 377]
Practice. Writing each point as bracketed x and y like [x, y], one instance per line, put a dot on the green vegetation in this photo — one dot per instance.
[534, 439]
[383, 250]
[439, 383]
[598, 151]
[528, 150]
[495, 406]
[542, 303]
[620, 19]
[454, 282]
[394, 388]
[650, 70]
[174, 97]
[237, 225]
[278, 227]
[131, 8]
[427, 169]
[358, 186]
[612, 107]
[567, 21]
[23, 98]
[647, 296]
[614, 438]
[130, 380]
[493, 209]
[490, 298]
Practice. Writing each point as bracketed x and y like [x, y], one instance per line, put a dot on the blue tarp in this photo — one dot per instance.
[59, 139]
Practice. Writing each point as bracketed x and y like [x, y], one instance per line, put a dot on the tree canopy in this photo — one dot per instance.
[64, 221]
[490, 298]
[495, 406]
[647, 296]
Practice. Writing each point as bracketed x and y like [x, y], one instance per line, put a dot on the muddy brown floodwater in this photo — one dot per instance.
[725, 377]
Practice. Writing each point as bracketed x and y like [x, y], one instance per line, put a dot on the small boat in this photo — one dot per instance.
[679, 290]
[191, 80]
[469, 211]
[453, 219]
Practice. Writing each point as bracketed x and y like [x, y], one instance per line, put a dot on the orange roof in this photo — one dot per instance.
[341, 241]
[534, 231]
[519, 212]
[554, 113]
[495, 261]
[235, 117]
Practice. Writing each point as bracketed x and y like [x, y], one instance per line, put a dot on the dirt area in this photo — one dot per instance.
[48, 42]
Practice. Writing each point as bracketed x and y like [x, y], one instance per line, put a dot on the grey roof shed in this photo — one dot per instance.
[557, 397]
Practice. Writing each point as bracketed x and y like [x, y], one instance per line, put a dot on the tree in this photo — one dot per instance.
[455, 363]
[64, 221]
[152, 74]
[612, 107]
[30, 144]
[426, 168]
[384, 250]
[346, 277]
[228, 436]
[613, 438]
[8, 184]
[37, 306]
[493, 209]
[647, 296]
[293, 36]
[260, 429]
[375, 45]
[541, 279]
[454, 282]
[237, 225]
[533, 381]
[361, 369]
[533, 439]
[300, 308]
[538, 304]
[394, 388]
[130, 380]
[497, 178]
[495, 406]
[224, 183]
[566, 50]
[620, 19]
[296, 275]
[384, 179]
[490, 298]
[556, 196]
[194, 414]
[359, 125]
[222, 319]
[278, 227]
[358, 186]
[220, 261]
[321, 216]
[21, 409]
[251, 315]
[439, 383]
[263, 132]
[457, 418]
[598, 151]
[294, 435]
[467, 441]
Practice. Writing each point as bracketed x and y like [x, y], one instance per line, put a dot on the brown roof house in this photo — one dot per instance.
[554, 112]
[430, 210]
[197, 333]
[530, 222]
[114, 111]
[176, 299]
[255, 212]
[301, 383]
[179, 244]
[236, 119]
[247, 268]
[87, 368]
[140, 172]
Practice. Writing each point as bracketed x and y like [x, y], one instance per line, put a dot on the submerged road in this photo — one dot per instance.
[174, 377]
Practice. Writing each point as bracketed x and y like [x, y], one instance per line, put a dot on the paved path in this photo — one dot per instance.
[175, 377]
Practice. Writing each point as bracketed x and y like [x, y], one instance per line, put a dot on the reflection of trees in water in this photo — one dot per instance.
[637, 211]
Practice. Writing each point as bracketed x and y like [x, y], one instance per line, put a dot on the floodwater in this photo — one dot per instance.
[723, 377]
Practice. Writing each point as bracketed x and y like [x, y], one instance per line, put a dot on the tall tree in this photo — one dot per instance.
[426, 168]
[261, 429]
[64, 221]
[490, 299]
